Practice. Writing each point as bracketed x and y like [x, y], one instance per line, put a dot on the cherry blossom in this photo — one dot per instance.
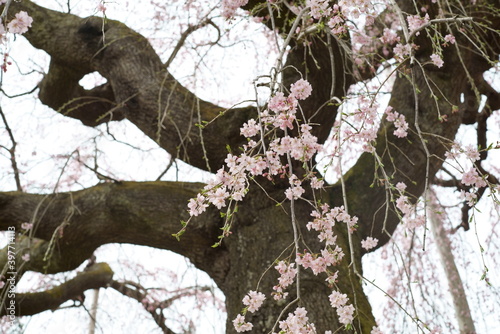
[197, 206]
[240, 325]
[471, 178]
[449, 39]
[288, 273]
[345, 314]
[399, 122]
[229, 7]
[316, 183]
[20, 24]
[389, 37]
[297, 323]
[319, 8]
[369, 243]
[436, 60]
[250, 128]
[415, 22]
[401, 186]
[254, 300]
[338, 299]
[472, 153]
[402, 51]
[301, 89]
[469, 196]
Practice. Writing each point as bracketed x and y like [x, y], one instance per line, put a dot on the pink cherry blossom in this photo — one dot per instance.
[449, 39]
[338, 299]
[389, 37]
[218, 198]
[197, 206]
[345, 314]
[254, 300]
[436, 60]
[229, 7]
[319, 8]
[369, 243]
[469, 196]
[415, 22]
[399, 122]
[250, 128]
[471, 178]
[316, 183]
[240, 325]
[301, 89]
[401, 186]
[402, 51]
[472, 153]
[20, 24]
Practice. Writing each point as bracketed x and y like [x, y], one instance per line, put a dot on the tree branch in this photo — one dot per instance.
[71, 226]
[98, 276]
[139, 87]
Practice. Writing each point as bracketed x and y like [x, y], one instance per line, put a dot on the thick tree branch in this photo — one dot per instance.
[99, 275]
[73, 225]
[139, 88]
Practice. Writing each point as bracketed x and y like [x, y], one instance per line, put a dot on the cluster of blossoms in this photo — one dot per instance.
[253, 300]
[436, 60]
[297, 323]
[416, 22]
[399, 122]
[410, 218]
[232, 184]
[470, 152]
[323, 223]
[369, 243]
[336, 16]
[287, 276]
[363, 123]
[241, 325]
[401, 51]
[229, 7]
[345, 312]
[469, 196]
[472, 178]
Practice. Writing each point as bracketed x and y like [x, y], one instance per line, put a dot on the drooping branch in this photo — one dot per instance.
[405, 159]
[320, 58]
[70, 226]
[97, 276]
